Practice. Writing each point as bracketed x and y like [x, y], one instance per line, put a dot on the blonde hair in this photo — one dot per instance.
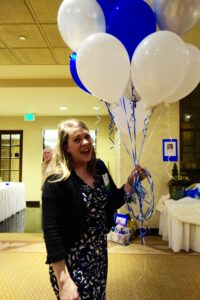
[63, 161]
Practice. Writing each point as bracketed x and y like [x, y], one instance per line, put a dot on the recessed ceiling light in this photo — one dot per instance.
[96, 108]
[22, 38]
[63, 108]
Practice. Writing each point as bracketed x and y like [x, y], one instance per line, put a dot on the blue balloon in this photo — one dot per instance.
[131, 21]
[107, 7]
[74, 73]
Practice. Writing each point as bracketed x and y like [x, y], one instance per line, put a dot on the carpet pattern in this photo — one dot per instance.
[24, 276]
[150, 277]
[138, 272]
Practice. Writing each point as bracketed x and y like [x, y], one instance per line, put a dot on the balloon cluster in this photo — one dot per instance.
[103, 36]
[113, 39]
[116, 46]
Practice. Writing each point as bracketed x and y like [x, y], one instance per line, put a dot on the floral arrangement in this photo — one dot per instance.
[177, 179]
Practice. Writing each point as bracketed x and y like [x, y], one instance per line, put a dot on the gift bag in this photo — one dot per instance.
[120, 233]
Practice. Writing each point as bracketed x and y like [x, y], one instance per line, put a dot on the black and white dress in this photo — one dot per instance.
[87, 260]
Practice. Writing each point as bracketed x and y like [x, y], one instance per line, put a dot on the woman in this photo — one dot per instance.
[79, 202]
[47, 163]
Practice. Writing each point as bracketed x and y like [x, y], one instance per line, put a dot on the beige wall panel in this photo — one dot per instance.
[46, 102]
[33, 72]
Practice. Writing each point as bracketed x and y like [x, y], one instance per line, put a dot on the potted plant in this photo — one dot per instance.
[177, 184]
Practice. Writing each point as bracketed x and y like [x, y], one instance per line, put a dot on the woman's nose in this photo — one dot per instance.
[85, 141]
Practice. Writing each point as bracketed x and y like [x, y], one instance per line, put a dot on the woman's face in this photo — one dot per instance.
[47, 154]
[79, 145]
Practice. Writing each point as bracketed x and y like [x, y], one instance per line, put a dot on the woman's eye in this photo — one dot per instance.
[77, 140]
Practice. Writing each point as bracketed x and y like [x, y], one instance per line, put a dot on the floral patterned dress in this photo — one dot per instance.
[87, 260]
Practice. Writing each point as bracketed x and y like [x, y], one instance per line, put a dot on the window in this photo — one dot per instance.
[11, 155]
[50, 138]
[190, 135]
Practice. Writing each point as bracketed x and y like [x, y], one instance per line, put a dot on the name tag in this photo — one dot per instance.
[106, 182]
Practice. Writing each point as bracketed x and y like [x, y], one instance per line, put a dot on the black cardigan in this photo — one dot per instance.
[64, 212]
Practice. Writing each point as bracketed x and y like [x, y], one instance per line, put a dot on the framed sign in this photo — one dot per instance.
[170, 150]
[121, 219]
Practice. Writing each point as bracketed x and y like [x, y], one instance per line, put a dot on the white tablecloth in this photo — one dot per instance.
[180, 223]
[12, 199]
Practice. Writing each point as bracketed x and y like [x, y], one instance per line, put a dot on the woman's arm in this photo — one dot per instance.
[51, 219]
[67, 288]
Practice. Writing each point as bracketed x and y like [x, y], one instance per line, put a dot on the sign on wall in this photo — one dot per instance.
[170, 150]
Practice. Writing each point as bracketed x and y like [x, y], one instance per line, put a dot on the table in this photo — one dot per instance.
[180, 223]
[12, 199]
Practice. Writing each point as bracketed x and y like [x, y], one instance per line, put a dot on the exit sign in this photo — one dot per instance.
[29, 117]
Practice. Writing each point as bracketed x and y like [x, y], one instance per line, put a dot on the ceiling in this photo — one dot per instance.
[34, 73]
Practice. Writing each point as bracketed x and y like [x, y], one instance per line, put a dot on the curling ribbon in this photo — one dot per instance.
[112, 123]
[139, 195]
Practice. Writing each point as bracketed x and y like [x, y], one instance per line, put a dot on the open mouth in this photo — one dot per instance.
[86, 151]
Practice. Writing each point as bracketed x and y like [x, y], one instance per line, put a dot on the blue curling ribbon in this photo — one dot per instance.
[112, 123]
[138, 195]
[123, 105]
[143, 232]
[144, 131]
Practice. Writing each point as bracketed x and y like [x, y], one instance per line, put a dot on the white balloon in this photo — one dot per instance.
[159, 65]
[123, 116]
[78, 19]
[130, 92]
[148, 103]
[103, 66]
[120, 119]
[178, 16]
[192, 78]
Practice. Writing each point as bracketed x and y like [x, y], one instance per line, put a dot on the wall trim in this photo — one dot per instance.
[32, 203]
[152, 232]
[37, 82]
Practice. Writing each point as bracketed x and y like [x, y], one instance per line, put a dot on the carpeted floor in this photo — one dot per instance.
[136, 272]
[24, 276]
[153, 277]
